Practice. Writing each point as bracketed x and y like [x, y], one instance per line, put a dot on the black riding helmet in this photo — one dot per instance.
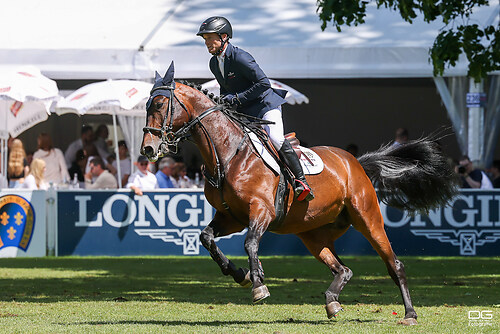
[219, 25]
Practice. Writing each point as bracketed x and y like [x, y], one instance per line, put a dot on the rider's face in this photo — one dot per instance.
[213, 42]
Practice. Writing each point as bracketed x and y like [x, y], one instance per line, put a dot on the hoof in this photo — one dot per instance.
[260, 293]
[246, 283]
[332, 309]
[408, 322]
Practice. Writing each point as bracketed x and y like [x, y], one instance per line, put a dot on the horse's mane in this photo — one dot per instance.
[245, 121]
[214, 98]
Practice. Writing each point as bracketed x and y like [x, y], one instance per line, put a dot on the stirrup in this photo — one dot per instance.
[303, 192]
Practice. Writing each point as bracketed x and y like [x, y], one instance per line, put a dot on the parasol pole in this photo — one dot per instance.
[4, 137]
[118, 169]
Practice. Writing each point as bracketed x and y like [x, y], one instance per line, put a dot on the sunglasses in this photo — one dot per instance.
[143, 163]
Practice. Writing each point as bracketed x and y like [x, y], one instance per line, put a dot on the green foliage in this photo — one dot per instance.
[479, 44]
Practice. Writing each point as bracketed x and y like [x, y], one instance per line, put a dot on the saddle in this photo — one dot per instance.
[295, 142]
[310, 161]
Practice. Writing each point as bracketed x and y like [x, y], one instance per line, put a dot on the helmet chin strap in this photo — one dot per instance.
[224, 41]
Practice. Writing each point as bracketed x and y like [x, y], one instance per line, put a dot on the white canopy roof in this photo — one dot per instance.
[95, 39]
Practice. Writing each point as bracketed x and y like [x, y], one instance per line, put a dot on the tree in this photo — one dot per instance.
[481, 45]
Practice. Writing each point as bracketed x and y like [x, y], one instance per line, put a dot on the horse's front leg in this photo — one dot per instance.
[219, 227]
[258, 225]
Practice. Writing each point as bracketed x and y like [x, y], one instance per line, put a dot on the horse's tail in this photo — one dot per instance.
[415, 177]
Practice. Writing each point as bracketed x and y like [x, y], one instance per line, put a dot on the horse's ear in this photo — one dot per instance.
[169, 75]
[157, 76]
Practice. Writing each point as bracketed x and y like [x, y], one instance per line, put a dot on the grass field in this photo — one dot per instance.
[190, 295]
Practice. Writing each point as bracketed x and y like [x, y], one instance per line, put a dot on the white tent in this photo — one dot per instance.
[130, 39]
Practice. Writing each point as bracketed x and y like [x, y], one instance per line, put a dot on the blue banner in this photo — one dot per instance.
[169, 223]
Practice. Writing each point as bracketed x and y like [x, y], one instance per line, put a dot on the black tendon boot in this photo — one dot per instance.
[290, 158]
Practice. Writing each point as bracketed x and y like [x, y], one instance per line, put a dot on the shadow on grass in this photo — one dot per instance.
[224, 324]
[291, 280]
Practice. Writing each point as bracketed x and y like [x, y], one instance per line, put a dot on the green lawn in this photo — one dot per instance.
[186, 294]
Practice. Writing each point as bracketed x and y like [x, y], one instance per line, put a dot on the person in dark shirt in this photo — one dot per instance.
[472, 177]
[495, 173]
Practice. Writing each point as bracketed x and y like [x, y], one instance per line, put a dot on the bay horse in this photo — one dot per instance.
[414, 177]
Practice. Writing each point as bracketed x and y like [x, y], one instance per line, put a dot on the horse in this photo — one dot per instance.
[415, 177]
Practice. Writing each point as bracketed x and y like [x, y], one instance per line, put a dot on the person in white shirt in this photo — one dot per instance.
[142, 180]
[35, 179]
[56, 170]
[103, 178]
[101, 140]
[87, 136]
[125, 163]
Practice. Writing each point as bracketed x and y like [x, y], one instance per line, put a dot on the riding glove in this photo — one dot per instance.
[232, 99]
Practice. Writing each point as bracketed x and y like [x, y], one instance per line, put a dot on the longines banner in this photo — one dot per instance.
[22, 223]
[170, 222]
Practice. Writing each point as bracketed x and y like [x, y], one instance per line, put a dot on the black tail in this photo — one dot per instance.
[415, 177]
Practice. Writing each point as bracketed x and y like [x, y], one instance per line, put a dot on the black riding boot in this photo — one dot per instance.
[290, 158]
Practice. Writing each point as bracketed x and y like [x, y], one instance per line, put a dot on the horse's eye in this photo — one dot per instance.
[159, 105]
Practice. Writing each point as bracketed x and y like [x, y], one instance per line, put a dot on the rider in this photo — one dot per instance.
[244, 84]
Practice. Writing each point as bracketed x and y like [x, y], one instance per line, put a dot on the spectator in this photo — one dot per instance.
[472, 177]
[142, 179]
[56, 170]
[17, 165]
[495, 173]
[29, 157]
[90, 152]
[36, 178]
[86, 137]
[400, 137]
[179, 176]
[101, 140]
[78, 166]
[103, 178]
[164, 174]
[125, 163]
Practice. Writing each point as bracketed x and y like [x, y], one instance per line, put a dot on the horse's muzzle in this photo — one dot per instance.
[149, 153]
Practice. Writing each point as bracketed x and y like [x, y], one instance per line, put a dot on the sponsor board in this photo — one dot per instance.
[469, 225]
[169, 223]
[122, 223]
[22, 223]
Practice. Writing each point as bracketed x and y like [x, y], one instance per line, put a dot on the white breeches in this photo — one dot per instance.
[275, 131]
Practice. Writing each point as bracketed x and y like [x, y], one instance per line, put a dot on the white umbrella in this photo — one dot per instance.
[292, 97]
[123, 98]
[25, 99]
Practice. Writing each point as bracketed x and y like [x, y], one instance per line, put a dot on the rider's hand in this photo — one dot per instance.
[231, 99]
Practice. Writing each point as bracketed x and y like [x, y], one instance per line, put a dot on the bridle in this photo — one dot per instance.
[169, 139]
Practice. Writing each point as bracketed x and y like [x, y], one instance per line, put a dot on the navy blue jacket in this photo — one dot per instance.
[243, 76]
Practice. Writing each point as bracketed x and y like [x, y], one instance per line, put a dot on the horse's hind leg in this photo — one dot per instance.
[370, 224]
[320, 244]
[218, 227]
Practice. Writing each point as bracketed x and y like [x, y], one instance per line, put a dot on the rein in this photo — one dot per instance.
[171, 139]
